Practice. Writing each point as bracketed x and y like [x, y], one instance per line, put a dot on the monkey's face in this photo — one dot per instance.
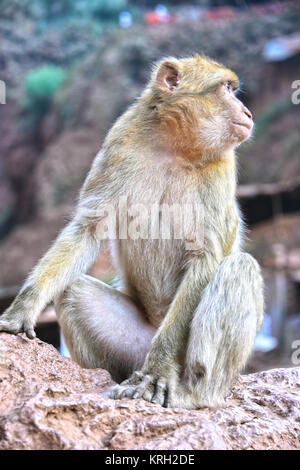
[222, 119]
[235, 119]
[197, 103]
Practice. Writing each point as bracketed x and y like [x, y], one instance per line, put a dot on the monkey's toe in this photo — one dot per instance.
[117, 392]
[140, 389]
[161, 392]
[112, 392]
[156, 391]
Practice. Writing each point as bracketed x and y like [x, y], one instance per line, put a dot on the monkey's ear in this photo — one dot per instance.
[168, 76]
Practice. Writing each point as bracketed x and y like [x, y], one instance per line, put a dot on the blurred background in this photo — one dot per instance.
[70, 67]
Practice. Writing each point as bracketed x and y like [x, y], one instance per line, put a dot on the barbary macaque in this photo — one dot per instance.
[181, 321]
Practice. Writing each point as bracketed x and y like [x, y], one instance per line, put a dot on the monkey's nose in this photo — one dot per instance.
[247, 112]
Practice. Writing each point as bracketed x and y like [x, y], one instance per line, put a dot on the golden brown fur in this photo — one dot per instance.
[186, 310]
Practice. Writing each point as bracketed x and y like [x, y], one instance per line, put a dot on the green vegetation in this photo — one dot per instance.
[106, 10]
[49, 11]
[272, 113]
[42, 82]
[6, 220]
[40, 86]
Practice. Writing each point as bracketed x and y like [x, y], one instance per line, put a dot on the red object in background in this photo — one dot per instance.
[152, 18]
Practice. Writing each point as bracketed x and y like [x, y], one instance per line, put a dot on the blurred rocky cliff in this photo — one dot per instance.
[67, 81]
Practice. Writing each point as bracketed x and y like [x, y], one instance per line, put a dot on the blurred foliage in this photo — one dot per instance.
[6, 220]
[42, 82]
[40, 86]
[272, 113]
[103, 9]
[48, 11]
[292, 144]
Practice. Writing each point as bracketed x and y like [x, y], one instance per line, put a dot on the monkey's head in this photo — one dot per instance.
[196, 107]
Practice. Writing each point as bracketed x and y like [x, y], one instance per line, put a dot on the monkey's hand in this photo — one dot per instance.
[154, 388]
[18, 318]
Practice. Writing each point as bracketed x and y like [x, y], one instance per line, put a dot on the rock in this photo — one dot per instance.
[49, 402]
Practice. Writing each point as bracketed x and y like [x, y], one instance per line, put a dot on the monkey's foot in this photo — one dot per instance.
[153, 389]
[15, 322]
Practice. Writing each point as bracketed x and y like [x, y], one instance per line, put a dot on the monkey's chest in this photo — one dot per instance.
[152, 271]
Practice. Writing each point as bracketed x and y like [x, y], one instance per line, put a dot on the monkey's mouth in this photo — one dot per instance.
[247, 125]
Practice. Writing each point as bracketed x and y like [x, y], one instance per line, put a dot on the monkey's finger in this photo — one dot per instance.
[148, 394]
[140, 389]
[107, 394]
[127, 392]
[9, 327]
[135, 378]
[30, 332]
[168, 399]
[169, 395]
[112, 392]
[161, 391]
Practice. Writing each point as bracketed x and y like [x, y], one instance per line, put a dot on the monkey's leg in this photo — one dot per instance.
[222, 332]
[103, 327]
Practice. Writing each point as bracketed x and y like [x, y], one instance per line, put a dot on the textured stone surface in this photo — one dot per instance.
[49, 402]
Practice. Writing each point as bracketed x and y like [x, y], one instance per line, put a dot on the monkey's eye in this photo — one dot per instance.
[229, 86]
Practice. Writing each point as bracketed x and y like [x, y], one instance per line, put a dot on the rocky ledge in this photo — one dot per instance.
[49, 402]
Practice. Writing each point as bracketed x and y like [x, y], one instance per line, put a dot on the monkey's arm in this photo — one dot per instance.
[72, 254]
[173, 333]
